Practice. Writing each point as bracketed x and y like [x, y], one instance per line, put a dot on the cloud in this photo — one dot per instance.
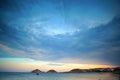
[94, 42]
[34, 53]
[26, 64]
[11, 50]
[64, 32]
[48, 30]
[56, 64]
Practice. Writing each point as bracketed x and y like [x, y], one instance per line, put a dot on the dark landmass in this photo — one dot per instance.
[115, 70]
[52, 71]
[37, 71]
[75, 71]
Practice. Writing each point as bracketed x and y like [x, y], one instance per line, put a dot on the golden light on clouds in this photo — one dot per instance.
[29, 65]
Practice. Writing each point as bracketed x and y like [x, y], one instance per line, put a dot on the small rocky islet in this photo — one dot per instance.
[37, 71]
[52, 71]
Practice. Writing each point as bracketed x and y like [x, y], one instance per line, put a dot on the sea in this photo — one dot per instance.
[58, 76]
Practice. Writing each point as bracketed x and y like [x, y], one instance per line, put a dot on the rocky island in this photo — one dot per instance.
[52, 71]
[75, 71]
[37, 71]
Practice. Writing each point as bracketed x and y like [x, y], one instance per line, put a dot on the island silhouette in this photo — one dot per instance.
[115, 70]
[52, 71]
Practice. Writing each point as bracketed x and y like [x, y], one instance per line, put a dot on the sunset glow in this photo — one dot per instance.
[27, 65]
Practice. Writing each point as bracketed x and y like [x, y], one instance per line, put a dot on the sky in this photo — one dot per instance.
[59, 34]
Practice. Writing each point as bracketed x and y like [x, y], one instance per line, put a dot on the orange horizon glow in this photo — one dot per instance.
[24, 66]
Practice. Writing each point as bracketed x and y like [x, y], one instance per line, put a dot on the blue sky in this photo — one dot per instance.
[65, 31]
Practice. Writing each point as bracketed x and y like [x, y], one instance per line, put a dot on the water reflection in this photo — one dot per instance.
[91, 76]
[60, 76]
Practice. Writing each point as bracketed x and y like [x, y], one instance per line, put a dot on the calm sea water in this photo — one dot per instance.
[59, 76]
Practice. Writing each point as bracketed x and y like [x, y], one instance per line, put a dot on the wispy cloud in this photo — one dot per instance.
[35, 53]
[12, 50]
[61, 31]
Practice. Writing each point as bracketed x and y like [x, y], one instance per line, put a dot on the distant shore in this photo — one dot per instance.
[115, 70]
